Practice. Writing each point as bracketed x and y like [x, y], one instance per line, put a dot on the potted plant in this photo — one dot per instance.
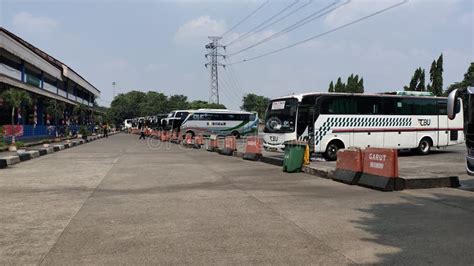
[83, 132]
[14, 98]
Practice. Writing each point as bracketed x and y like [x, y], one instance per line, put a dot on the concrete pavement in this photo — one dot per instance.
[125, 201]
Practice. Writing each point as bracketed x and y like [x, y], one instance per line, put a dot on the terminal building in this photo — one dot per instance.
[46, 79]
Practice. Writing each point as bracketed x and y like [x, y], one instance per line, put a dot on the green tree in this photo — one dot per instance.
[55, 109]
[126, 105]
[339, 87]
[154, 103]
[14, 98]
[331, 87]
[421, 82]
[255, 103]
[436, 77]
[360, 86]
[417, 82]
[178, 102]
[80, 112]
[351, 84]
[466, 82]
[198, 104]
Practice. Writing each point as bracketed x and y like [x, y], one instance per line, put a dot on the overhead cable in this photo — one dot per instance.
[321, 34]
[247, 17]
[321, 12]
[257, 28]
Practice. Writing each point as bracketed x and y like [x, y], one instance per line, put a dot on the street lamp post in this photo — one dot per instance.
[113, 89]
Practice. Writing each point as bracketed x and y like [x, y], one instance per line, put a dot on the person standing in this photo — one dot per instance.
[106, 130]
[141, 126]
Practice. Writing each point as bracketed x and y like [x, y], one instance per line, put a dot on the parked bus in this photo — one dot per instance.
[127, 124]
[330, 122]
[220, 122]
[174, 119]
[456, 100]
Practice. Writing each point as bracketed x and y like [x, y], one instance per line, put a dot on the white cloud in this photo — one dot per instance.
[27, 22]
[199, 29]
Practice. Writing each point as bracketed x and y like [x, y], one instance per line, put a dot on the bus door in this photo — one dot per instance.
[302, 122]
[443, 124]
[306, 118]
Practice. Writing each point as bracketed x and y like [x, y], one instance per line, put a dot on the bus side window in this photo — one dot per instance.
[404, 106]
[442, 107]
[368, 105]
[388, 106]
[338, 105]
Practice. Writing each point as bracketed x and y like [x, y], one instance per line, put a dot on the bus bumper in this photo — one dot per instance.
[273, 147]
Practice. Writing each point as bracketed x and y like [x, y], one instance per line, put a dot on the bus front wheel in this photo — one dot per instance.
[424, 147]
[331, 150]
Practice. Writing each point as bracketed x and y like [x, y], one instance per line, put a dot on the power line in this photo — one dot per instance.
[255, 29]
[247, 17]
[296, 25]
[285, 16]
[322, 34]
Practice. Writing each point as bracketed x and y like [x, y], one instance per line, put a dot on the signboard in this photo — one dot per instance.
[7, 130]
[279, 105]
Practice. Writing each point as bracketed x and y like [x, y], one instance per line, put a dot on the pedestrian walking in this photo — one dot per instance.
[142, 131]
[106, 131]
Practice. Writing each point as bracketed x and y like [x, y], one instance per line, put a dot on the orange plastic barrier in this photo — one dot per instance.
[253, 148]
[174, 137]
[164, 136]
[198, 141]
[230, 145]
[380, 170]
[188, 141]
[349, 166]
[212, 146]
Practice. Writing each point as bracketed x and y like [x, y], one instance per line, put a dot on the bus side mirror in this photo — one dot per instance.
[453, 104]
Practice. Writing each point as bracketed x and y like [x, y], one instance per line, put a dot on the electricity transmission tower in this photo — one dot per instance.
[213, 55]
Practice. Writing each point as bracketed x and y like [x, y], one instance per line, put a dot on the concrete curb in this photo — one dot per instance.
[41, 151]
[436, 182]
[10, 160]
[24, 156]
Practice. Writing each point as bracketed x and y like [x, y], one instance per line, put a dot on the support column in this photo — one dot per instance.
[40, 111]
[65, 88]
[42, 80]
[22, 68]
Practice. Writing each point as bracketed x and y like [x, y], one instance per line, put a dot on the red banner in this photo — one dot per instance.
[7, 130]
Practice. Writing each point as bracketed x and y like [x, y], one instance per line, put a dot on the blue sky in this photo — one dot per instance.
[159, 45]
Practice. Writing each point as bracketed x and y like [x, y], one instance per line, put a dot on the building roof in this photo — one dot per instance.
[53, 61]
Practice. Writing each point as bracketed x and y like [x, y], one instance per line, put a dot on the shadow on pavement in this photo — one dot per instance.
[422, 230]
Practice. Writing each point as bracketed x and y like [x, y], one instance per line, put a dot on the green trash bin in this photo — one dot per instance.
[294, 153]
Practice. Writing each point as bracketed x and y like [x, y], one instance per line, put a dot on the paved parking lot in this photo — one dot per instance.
[121, 200]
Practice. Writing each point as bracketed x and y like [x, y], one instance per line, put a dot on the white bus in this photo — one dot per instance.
[220, 122]
[331, 121]
[174, 119]
[127, 123]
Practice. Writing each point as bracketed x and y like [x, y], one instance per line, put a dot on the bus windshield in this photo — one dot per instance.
[281, 115]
